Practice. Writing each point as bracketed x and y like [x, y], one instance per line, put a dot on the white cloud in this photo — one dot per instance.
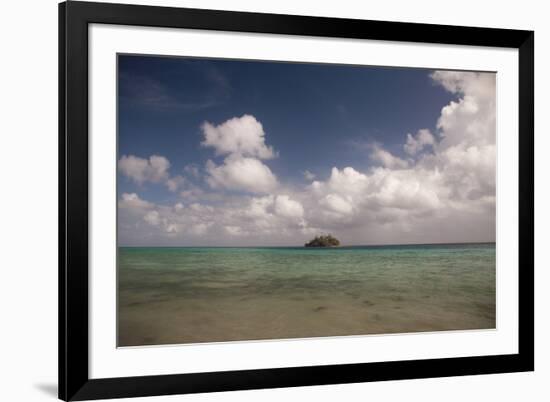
[234, 230]
[132, 201]
[388, 160]
[240, 135]
[172, 228]
[466, 154]
[417, 143]
[258, 207]
[288, 208]
[241, 173]
[309, 176]
[471, 119]
[347, 180]
[337, 203]
[192, 194]
[467, 83]
[242, 139]
[152, 218]
[174, 183]
[456, 179]
[200, 229]
[154, 169]
[412, 190]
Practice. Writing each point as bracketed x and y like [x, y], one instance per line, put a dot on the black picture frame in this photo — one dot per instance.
[74, 381]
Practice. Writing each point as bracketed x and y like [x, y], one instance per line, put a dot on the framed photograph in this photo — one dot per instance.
[257, 201]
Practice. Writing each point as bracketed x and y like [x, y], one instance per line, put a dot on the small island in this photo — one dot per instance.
[323, 241]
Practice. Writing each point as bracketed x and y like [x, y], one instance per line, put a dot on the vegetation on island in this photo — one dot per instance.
[323, 241]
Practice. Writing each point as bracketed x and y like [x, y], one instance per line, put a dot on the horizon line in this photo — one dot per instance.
[341, 246]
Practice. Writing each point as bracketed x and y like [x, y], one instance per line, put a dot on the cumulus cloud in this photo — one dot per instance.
[155, 169]
[175, 183]
[140, 170]
[242, 139]
[288, 208]
[467, 83]
[336, 199]
[466, 154]
[192, 194]
[241, 173]
[470, 120]
[388, 160]
[337, 203]
[456, 179]
[418, 142]
[240, 135]
[263, 218]
[235, 230]
[348, 180]
[308, 175]
[132, 201]
[152, 218]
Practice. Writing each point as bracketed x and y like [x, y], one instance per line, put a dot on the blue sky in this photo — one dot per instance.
[314, 117]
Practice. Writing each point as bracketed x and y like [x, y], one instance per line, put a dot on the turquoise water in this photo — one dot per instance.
[188, 295]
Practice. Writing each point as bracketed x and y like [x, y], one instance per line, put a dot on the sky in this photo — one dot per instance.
[215, 152]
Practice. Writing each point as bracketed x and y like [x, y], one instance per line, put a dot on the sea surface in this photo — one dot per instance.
[172, 295]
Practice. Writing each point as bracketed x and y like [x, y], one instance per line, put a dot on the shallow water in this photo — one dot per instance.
[188, 295]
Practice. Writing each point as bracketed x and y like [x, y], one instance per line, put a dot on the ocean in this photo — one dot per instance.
[170, 295]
